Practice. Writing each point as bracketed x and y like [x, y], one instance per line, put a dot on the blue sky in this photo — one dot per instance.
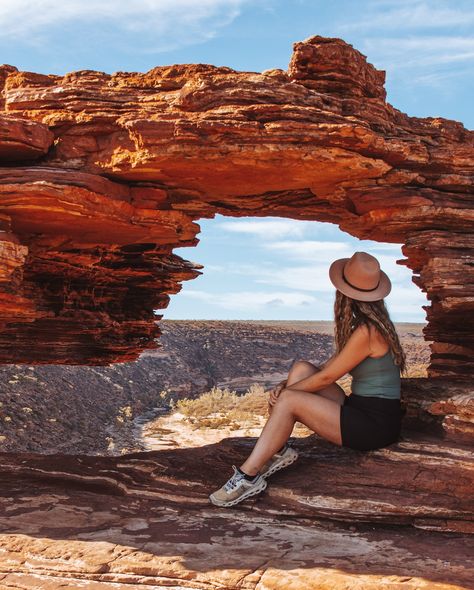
[262, 268]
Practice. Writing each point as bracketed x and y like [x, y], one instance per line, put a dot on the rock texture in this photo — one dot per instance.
[400, 516]
[104, 174]
[144, 520]
[101, 177]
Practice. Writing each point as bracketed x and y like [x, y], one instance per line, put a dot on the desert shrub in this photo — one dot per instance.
[223, 407]
[125, 414]
[215, 400]
[417, 370]
[252, 405]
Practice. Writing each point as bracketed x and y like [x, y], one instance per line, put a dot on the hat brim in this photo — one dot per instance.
[335, 275]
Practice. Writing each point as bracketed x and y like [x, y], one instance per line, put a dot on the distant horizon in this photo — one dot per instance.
[263, 320]
[277, 266]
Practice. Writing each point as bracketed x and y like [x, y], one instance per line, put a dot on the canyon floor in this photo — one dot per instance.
[77, 409]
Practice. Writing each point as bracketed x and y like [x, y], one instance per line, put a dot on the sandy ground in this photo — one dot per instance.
[175, 431]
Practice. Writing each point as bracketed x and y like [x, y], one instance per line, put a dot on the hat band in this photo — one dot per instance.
[359, 288]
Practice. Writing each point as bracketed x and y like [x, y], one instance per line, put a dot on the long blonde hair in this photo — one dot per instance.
[350, 313]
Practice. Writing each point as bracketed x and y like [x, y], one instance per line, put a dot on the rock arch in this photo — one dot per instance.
[102, 175]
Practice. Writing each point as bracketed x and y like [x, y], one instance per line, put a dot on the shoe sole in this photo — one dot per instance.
[248, 494]
[277, 466]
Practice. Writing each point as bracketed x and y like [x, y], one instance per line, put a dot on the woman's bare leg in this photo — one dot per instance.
[302, 369]
[319, 411]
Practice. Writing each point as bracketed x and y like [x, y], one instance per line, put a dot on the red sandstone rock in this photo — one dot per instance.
[21, 139]
[335, 519]
[137, 157]
[102, 176]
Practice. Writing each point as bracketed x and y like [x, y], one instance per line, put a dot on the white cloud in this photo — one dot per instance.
[304, 264]
[413, 15]
[439, 78]
[418, 52]
[166, 24]
[313, 277]
[394, 248]
[396, 272]
[403, 292]
[250, 300]
[216, 267]
[321, 254]
[425, 43]
[401, 303]
[291, 274]
[311, 249]
[268, 229]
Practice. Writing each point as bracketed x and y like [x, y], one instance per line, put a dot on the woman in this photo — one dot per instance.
[367, 346]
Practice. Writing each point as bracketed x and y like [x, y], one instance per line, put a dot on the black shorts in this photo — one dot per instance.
[370, 422]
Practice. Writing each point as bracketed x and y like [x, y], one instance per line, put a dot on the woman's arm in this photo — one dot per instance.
[327, 361]
[355, 351]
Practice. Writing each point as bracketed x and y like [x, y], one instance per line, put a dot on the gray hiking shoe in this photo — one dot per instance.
[279, 460]
[237, 488]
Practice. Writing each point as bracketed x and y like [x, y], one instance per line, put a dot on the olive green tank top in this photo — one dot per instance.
[377, 376]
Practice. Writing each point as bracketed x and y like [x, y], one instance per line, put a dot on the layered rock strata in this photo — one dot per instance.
[102, 175]
[335, 519]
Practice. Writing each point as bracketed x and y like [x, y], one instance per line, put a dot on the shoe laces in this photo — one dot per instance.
[234, 480]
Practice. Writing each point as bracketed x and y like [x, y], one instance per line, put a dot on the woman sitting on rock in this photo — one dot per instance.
[367, 347]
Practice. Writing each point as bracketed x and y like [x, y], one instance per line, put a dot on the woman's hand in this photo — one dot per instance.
[274, 393]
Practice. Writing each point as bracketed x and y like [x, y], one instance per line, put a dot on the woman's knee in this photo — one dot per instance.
[286, 398]
[301, 369]
[301, 364]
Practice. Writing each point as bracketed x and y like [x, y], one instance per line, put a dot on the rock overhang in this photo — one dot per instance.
[102, 175]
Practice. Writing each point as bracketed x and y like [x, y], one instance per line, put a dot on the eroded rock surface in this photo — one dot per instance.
[335, 519]
[104, 174]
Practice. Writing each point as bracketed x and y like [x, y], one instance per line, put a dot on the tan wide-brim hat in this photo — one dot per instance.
[360, 277]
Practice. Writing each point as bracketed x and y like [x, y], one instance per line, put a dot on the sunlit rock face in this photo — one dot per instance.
[104, 174]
